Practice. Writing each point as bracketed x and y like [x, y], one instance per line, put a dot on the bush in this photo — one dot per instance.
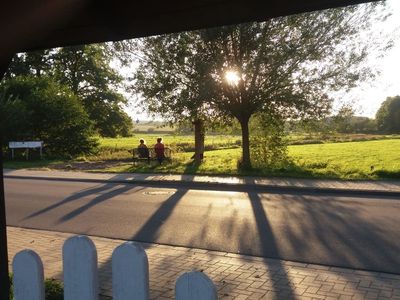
[53, 289]
[268, 147]
[40, 109]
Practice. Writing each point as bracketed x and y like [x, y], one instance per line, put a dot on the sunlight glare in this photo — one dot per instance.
[232, 77]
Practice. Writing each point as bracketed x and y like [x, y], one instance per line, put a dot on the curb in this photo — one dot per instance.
[225, 186]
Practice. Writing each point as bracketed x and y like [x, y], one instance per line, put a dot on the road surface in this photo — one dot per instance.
[340, 230]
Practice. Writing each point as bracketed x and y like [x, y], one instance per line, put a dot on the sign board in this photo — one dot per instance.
[30, 144]
[25, 145]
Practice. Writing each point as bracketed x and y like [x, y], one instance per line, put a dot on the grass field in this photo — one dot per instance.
[352, 160]
[376, 159]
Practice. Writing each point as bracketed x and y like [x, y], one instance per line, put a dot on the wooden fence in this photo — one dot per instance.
[130, 274]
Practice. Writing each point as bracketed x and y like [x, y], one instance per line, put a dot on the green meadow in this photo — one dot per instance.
[347, 160]
[370, 159]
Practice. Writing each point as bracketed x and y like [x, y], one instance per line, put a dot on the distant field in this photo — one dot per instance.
[178, 142]
[152, 126]
[227, 141]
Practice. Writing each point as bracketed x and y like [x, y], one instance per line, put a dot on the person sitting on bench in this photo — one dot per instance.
[143, 151]
[159, 150]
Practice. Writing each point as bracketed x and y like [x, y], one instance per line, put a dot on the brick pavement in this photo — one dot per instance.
[236, 276]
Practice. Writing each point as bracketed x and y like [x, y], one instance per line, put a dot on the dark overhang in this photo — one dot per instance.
[34, 24]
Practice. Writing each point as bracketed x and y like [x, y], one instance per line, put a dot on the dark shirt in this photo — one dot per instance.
[143, 151]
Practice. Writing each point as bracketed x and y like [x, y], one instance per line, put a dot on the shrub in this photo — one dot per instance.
[53, 289]
[267, 145]
[41, 109]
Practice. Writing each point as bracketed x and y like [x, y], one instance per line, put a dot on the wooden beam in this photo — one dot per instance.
[4, 281]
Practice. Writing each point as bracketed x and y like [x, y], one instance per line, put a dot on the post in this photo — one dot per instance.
[195, 286]
[4, 281]
[28, 276]
[130, 272]
[80, 269]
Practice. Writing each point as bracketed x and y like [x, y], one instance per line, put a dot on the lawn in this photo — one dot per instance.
[375, 159]
[351, 160]
[354, 160]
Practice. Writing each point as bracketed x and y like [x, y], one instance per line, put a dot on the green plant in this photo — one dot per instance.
[53, 289]
[268, 146]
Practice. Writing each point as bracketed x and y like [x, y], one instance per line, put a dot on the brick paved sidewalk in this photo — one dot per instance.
[236, 276]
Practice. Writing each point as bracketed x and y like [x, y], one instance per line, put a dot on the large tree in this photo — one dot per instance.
[172, 82]
[388, 115]
[38, 108]
[86, 71]
[35, 63]
[284, 67]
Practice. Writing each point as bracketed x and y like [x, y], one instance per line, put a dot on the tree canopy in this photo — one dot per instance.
[388, 115]
[38, 108]
[173, 82]
[86, 71]
[284, 67]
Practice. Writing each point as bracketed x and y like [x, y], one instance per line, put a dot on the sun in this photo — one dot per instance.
[232, 77]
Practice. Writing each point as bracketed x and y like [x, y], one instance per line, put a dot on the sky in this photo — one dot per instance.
[367, 97]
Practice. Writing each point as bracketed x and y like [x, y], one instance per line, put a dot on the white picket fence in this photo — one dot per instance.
[130, 274]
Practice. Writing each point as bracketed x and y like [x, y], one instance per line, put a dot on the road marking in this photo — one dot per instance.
[155, 193]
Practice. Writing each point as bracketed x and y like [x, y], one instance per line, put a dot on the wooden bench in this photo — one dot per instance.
[149, 154]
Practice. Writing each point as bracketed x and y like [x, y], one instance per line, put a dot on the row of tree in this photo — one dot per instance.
[63, 96]
[387, 120]
[281, 69]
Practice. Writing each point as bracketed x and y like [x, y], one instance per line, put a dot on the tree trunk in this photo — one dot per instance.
[199, 134]
[246, 162]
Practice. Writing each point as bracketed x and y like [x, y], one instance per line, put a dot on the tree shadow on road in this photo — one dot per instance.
[150, 230]
[268, 244]
[111, 193]
[103, 192]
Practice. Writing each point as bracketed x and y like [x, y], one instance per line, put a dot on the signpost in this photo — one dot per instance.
[27, 146]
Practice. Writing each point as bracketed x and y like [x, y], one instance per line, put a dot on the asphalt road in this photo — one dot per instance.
[339, 230]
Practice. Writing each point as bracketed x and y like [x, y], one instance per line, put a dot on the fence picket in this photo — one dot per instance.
[130, 272]
[195, 286]
[28, 276]
[80, 269]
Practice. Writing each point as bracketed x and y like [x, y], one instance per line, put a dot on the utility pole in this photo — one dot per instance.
[4, 281]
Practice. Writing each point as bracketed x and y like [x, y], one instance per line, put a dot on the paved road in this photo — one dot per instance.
[331, 229]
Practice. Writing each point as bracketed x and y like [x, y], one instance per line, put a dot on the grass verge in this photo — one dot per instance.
[378, 159]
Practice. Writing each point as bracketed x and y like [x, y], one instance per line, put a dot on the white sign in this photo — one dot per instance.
[30, 144]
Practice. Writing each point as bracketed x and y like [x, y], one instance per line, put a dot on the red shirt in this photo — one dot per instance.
[159, 149]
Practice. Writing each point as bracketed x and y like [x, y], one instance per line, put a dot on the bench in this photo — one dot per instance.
[148, 154]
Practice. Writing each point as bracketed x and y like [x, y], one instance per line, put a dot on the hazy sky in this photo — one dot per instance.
[367, 97]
